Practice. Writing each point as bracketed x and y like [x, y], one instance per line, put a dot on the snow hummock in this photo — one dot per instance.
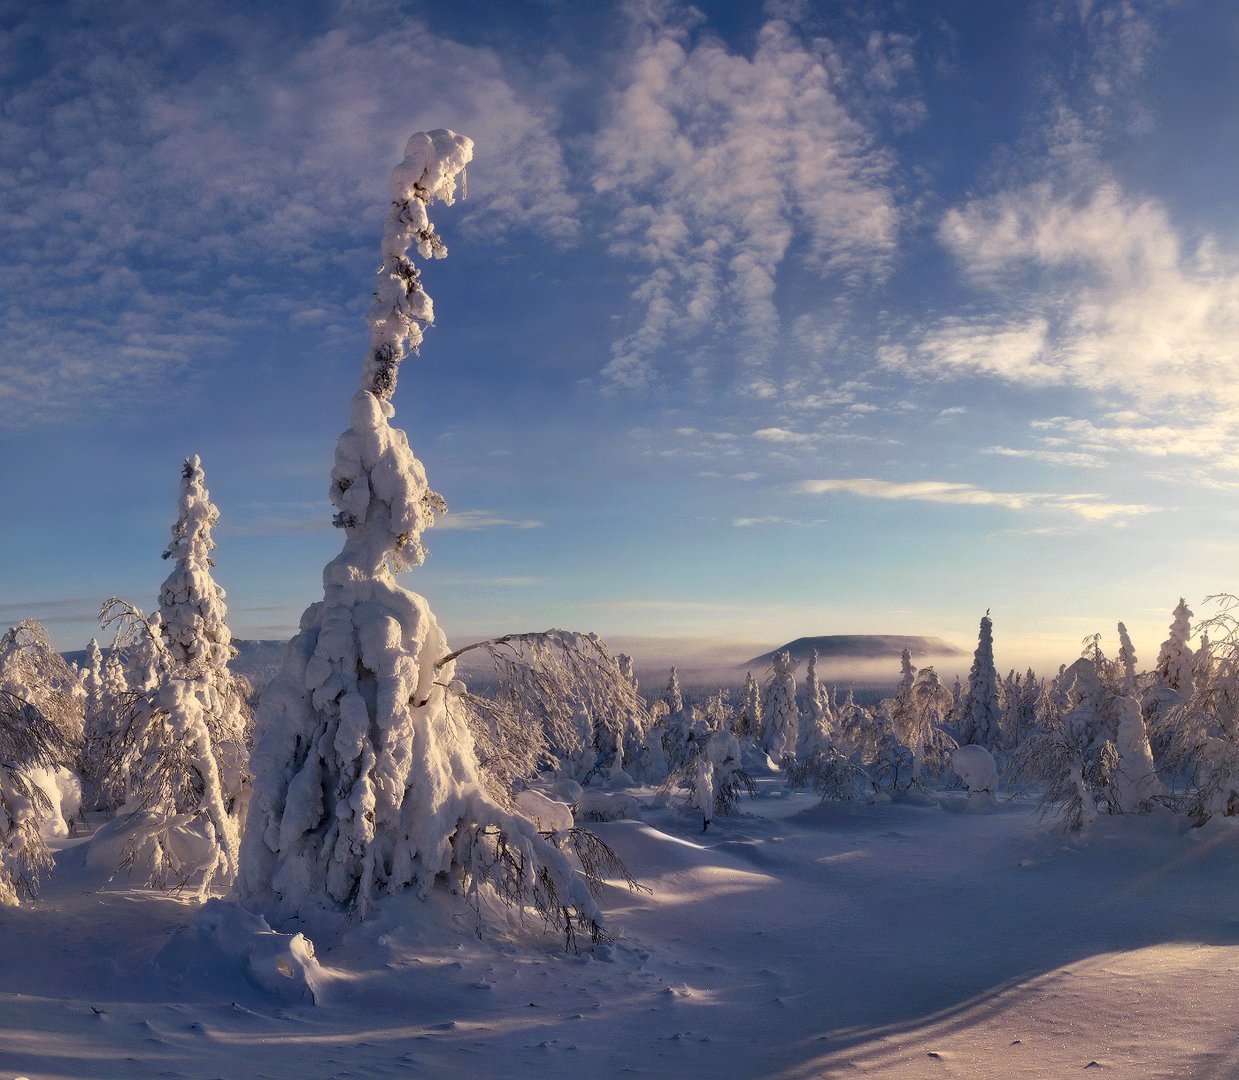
[975, 766]
[224, 936]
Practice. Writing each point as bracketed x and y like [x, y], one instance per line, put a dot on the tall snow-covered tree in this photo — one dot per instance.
[194, 621]
[749, 722]
[980, 709]
[673, 697]
[814, 714]
[365, 781]
[1174, 660]
[779, 733]
[1127, 661]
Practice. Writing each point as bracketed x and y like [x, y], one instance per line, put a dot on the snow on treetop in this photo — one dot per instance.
[402, 309]
[432, 161]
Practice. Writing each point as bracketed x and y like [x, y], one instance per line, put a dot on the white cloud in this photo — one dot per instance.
[1092, 507]
[784, 436]
[148, 189]
[1071, 458]
[1119, 305]
[712, 162]
[477, 520]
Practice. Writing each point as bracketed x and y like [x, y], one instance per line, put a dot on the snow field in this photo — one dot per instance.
[800, 939]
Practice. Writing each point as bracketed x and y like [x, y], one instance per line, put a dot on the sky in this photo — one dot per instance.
[759, 321]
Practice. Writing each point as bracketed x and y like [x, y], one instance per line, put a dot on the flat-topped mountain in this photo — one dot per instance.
[861, 647]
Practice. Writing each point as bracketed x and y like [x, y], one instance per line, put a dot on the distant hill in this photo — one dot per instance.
[861, 647]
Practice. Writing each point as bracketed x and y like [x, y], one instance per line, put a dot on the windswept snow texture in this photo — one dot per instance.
[796, 940]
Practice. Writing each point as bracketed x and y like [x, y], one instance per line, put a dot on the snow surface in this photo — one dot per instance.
[797, 939]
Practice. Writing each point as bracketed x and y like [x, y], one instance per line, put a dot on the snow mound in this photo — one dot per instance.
[550, 815]
[607, 806]
[64, 794]
[152, 842]
[974, 765]
[224, 938]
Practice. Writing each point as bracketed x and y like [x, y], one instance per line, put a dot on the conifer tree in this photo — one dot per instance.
[365, 780]
[814, 715]
[193, 620]
[779, 735]
[673, 697]
[1127, 661]
[980, 709]
[749, 724]
[1174, 661]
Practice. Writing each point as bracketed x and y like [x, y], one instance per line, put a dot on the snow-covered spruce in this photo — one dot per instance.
[813, 722]
[779, 731]
[365, 782]
[673, 697]
[194, 621]
[1126, 661]
[980, 710]
[1174, 661]
[748, 722]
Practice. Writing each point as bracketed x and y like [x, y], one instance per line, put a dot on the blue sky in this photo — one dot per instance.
[759, 321]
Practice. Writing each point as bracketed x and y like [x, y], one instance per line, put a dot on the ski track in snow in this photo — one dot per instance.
[796, 940]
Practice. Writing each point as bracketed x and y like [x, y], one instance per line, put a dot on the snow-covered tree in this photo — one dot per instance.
[672, 696]
[1071, 755]
[710, 767]
[779, 732]
[365, 781]
[815, 717]
[33, 750]
[980, 709]
[40, 740]
[33, 670]
[193, 618]
[1022, 700]
[1126, 661]
[1174, 660]
[928, 708]
[748, 723]
[561, 702]
[1135, 782]
[1203, 663]
[162, 767]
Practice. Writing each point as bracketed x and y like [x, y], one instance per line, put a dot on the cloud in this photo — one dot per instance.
[478, 520]
[1089, 506]
[711, 162]
[1093, 290]
[490, 582]
[1069, 458]
[784, 436]
[159, 198]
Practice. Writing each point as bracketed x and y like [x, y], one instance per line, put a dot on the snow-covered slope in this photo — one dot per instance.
[799, 940]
